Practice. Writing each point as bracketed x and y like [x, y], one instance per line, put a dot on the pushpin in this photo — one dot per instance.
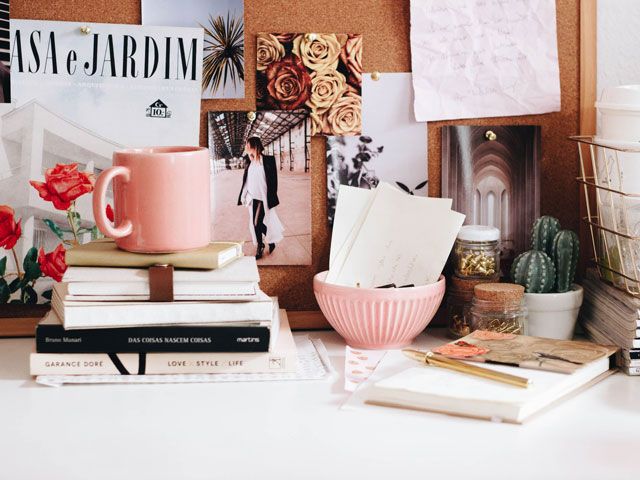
[85, 30]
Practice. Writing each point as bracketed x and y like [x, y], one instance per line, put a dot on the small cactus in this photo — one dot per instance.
[543, 232]
[564, 253]
[534, 270]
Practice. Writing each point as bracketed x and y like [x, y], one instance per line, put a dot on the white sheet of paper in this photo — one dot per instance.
[484, 58]
[352, 207]
[403, 239]
[352, 203]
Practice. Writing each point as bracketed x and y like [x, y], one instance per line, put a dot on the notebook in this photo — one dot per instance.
[105, 253]
[445, 391]
[403, 383]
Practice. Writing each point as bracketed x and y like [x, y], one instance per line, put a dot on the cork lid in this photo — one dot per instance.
[460, 284]
[499, 292]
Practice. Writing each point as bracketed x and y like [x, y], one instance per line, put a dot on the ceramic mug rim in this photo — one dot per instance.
[170, 150]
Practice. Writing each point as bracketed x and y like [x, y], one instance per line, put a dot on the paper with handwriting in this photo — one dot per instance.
[352, 208]
[484, 58]
[399, 238]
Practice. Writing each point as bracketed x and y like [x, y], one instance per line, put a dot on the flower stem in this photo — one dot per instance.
[15, 259]
[72, 223]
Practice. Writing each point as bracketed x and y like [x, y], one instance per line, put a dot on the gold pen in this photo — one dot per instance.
[437, 360]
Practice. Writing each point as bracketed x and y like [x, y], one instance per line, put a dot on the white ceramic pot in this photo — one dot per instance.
[553, 315]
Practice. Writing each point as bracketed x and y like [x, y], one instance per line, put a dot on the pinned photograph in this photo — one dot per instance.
[392, 147]
[492, 173]
[262, 183]
[318, 72]
[223, 51]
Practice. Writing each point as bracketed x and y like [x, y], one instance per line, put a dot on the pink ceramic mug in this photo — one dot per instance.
[161, 199]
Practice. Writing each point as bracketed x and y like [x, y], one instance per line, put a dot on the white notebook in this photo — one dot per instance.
[439, 390]
[76, 314]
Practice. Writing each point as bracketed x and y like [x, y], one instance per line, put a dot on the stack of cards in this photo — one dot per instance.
[386, 236]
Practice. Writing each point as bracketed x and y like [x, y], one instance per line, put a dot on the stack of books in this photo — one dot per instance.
[103, 321]
[612, 316]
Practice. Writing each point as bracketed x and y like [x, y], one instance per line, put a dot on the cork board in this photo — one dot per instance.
[385, 27]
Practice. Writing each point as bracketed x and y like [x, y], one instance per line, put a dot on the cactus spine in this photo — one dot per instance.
[565, 252]
[534, 270]
[543, 232]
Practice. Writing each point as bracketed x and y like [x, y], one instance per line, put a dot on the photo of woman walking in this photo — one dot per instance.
[259, 193]
[261, 179]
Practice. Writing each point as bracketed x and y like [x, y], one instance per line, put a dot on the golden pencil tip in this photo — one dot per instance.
[414, 354]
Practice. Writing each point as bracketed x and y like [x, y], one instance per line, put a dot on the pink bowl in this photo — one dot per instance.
[378, 318]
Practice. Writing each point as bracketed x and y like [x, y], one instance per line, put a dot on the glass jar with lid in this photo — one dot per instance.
[459, 297]
[477, 251]
[498, 307]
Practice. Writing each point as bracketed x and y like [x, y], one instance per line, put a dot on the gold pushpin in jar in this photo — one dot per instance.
[498, 307]
[477, 251]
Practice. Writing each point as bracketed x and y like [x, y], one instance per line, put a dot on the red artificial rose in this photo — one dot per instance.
[109, 213]
[288, 83]
[63, 184]
[10, 229]
[52, 264]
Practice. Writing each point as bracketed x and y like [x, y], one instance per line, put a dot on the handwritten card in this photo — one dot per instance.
[484, 58]
[403, 239]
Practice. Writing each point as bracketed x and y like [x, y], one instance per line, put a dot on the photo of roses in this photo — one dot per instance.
[321, 73]
[63, 185]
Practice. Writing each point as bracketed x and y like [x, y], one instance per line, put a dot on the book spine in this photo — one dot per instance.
[55, 339]
[159, 363]
[634, 371]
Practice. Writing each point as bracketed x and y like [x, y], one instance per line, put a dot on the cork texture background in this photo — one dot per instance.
[385, 26]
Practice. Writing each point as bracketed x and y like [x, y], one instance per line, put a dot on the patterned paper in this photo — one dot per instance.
[358, 365]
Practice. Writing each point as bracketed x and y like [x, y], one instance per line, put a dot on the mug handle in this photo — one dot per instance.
[100, 203]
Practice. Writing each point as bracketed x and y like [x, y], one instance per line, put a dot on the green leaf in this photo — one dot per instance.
[3, 266]
[47, 294]
[29, 295]
[15, 285]
[75, 218]
[30, 265]
[54, 228]
[5, 293]
[96, 234]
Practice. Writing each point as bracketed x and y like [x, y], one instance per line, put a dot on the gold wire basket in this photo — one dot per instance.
[613, 214]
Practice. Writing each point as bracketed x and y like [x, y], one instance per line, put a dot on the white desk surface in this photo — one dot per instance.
[295, 430]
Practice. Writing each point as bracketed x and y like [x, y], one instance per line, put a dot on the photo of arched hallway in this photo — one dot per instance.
[285, 136]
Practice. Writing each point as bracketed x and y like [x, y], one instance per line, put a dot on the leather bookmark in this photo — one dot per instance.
[161, 283]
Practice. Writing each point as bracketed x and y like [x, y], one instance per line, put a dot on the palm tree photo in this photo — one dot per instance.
[223, 61]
